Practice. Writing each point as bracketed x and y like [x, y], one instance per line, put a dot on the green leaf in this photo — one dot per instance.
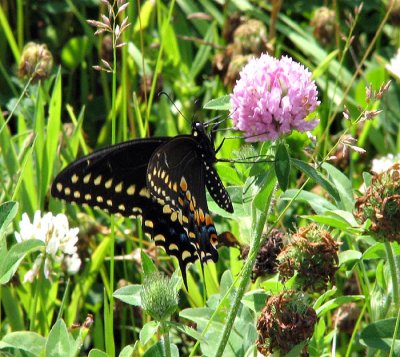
[337, 302]
[97, 353]
[129, 350]
[8, 211]
[317, 177]
[11, 261]
[147, 264]
[378, 251]
[349, 258]
[267, 186]
[157, 350]
[59, 341]
[319, 204]
[187, 330]
[342, 185]
[74, 52]
[226, 282]
[221, 103]
[255, 300]
[53, 130]
[296, 350]
[324, 297]
[282, 166]
[29, 342]
[129, 294]
[203, 53]
[330, 221]
[323, 66]
[148, 331]
[380, 334]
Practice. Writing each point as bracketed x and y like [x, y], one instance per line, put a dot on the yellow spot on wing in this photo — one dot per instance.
[173, 246]
[186, 254]
[149, 224]
[159, 237]
[131, 190]
[86, 179]
[144, 192]
[59, 187]
[118, 188]
[74, 178]
[108, 183]
[183, 184]
[166, 209]
[97, 180]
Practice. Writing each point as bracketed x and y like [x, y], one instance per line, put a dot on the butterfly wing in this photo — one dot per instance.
[217, 190]
[176, 179]
[113, 178]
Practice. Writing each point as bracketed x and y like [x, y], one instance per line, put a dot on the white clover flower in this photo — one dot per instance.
[60, 243]
[394, 65]
[383, 163]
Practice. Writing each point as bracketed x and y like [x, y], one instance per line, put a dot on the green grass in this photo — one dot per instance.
[170, 47]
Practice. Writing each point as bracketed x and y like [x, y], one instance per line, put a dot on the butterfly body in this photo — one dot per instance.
[162, 180]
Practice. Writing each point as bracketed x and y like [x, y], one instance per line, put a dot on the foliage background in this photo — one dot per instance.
[171, 47]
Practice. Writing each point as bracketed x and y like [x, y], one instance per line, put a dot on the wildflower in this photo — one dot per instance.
[159, 296]
[381, 205]
[266, 262]
[272, 98]
[383, 163]
[394, 65]
[285, 321]
[60, 243]
[324, 23]
[313, 254]
[250, 37]
[36, 61]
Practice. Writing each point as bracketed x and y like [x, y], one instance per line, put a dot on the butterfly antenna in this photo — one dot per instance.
[173, 103]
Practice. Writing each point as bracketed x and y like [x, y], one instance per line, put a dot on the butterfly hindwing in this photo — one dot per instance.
[171, 236]
[176, 179]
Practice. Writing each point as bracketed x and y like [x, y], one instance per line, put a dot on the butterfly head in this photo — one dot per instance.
[205, 141]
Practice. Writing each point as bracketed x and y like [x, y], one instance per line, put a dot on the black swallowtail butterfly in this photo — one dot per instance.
[162, 179]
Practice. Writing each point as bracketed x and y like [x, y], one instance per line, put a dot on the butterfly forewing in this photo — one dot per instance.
[217, 190]
[113, 179]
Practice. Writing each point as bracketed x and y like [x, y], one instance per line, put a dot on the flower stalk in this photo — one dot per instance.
[246, 273]
[167, 344]
[259, 220]
[393, 274]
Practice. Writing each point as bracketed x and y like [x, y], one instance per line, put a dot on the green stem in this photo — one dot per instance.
[111, 345]
[356, 328]
[247, 268]
[393, 274]
[396, 329]
[167, 343]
